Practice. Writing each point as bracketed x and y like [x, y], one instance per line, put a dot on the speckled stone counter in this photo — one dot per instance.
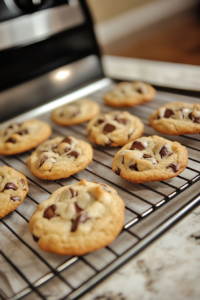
[168, 269]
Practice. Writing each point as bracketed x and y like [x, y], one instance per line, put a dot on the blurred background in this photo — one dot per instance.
[163, 30]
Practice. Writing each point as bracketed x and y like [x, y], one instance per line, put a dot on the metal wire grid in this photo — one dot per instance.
[67, 277]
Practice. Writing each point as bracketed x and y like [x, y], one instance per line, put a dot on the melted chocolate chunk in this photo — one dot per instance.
[137, 145]
[73, 192]
[44, 158]
[82, 218]
[105, 188]
[146, 156]
[67, 148]
[77, 208]
[122, 121]
[197, 120]
[133, 167]
[23, 132]
[11, 140]
[15, 198]
[35, 238]
[122, 160]
[118, 171]
[74, 154]
[173, 166]
[50, 212]
[67, 140]
[164, 152]
[108, 128]
[10, 186]
[23, 184]
[168, 113]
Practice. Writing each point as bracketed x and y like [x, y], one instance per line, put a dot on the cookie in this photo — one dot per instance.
[18, 138]
[13, 190]
[126, 94]
[114, 129]
[177, 118]
[60, 158]
[150, 159]
[78, 219]
[75, 112]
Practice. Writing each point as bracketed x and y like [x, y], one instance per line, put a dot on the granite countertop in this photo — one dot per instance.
[168, 269]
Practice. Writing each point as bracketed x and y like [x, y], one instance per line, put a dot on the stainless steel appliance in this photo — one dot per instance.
[26, 271]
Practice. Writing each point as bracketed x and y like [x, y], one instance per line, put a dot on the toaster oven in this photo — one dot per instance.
[39, 73]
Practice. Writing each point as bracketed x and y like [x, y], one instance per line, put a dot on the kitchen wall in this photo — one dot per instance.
[103, 10]
[115, 19]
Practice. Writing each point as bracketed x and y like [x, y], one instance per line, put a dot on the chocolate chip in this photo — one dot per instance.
[190, 116]
[23, 132]
[168, 113]
[130, 134]
[108, 128]
[67, 140]
[197, 120]
[35, 238]
[67, 148]
[137, 145]
[139, 90]
[11, 140]
[11, 126]
[53, 147]
[50, 212]
[105, 188]
[77, 112]
[122, 121]
[77, 208]
[44, 158]
[118, 171]
[100, 121]
[108, 143]
[133, 167]
[73, 192]
[146, 156]
[15, 198]
[23, 184]
[22, 181]
[122, 160]
[164, 152]
[10, 186]
[173, 166]
[74, 154]
[82, 218]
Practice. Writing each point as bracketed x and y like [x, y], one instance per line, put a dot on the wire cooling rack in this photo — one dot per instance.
[150, 209]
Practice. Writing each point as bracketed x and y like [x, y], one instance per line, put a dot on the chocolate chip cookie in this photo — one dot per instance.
[150, 159]
[75, 112]
[177, 118]
[114, 129]
[18, 138]
[78, 219]
[127, 94]
[60, 158]
[13, 190]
